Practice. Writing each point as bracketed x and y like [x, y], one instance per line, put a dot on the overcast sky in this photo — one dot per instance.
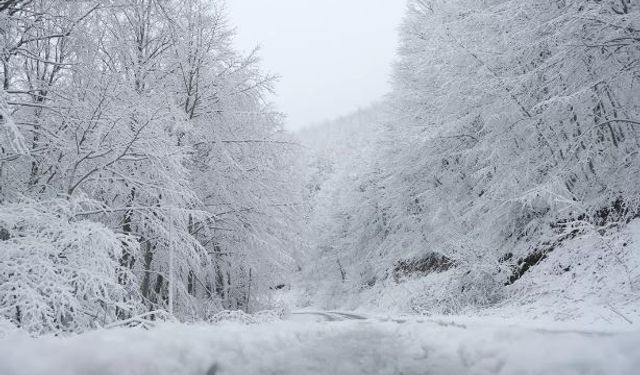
[333, 56]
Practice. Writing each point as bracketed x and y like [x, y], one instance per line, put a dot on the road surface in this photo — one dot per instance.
[328, 343]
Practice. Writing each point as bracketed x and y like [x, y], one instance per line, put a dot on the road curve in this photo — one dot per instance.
[330, 316]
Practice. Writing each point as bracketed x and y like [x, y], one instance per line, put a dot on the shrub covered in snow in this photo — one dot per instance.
[59, 274]
[239, 316]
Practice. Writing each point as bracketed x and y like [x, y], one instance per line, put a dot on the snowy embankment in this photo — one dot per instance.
[314, 344]
[590, 280]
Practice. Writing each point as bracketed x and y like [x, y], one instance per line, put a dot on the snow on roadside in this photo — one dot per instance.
[310, 346]
[589, 280]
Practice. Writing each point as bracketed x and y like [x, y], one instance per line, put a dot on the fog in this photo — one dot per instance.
[332, 56]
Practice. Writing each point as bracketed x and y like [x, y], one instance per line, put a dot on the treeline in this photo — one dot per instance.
[512, 126]
[142, 167]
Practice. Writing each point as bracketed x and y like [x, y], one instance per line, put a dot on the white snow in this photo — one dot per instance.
[310, 344]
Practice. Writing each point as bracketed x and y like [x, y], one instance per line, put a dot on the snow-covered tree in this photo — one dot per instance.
[145, 107]
[512, 126]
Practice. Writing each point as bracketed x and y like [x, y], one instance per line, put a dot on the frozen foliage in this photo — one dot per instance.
[513, 127]
[337, 154]
[57, 274]
[11, 138]
[238, 316]
[144, 107]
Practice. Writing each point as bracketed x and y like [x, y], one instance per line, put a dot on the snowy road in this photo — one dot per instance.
[330, 316]
[327, 343]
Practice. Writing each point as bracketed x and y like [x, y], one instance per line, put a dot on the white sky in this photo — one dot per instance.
[332, 56]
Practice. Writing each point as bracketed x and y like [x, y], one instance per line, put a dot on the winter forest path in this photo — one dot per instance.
[330, 316]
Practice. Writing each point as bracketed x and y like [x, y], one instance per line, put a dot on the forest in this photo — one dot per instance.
[146, 175]
[142, 169]
[503, 165]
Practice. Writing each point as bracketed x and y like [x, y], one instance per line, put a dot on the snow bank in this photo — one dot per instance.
[312, 347]
[591, 280]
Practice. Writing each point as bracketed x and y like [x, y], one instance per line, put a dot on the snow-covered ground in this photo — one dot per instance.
[554, 322]
[328, 343]
[591, 280]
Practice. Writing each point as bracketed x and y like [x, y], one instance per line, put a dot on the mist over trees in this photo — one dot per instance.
[142, 167]
[513, 127]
